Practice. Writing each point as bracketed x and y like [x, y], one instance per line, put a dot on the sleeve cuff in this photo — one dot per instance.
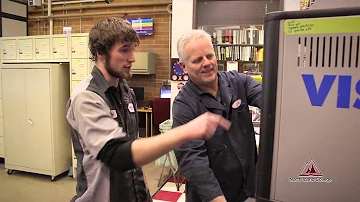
[117, 155]
[212, 196]
[122, 158]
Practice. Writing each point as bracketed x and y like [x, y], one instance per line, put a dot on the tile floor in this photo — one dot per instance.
[169, 193]
[28, 187]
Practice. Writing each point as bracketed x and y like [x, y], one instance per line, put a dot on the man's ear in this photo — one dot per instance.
[183, 67]
[100, 58]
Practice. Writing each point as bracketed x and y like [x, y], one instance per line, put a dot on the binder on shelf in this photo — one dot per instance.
[237, 43]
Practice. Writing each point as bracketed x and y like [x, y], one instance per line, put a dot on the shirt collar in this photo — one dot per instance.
[223, 82]
[226, 95]
[102, 83]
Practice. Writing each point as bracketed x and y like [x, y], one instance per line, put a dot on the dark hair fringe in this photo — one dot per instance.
[108, 31]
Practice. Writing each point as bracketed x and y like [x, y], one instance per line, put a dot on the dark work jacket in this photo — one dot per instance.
[224, 164]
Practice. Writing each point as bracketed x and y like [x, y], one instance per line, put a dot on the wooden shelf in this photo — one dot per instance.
[241, 45]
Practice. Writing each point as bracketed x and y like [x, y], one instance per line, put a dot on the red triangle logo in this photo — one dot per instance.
[310, 169]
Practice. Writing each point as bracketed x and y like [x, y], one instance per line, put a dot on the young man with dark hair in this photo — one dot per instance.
[102, 113]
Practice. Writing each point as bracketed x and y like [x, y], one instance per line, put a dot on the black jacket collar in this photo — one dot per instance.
[226, 94]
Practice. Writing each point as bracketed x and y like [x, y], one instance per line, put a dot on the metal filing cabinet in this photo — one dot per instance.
[25, 48]
[34, 100]
[60, 46]
[9, 49]
[79, 69]
[79, 47]
[42, 48]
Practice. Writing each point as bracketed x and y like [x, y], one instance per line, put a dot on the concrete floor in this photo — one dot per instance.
[28, 187]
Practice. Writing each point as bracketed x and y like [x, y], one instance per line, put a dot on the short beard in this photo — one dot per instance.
[110, 70]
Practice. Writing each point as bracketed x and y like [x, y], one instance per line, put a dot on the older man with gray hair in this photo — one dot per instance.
[223, 167]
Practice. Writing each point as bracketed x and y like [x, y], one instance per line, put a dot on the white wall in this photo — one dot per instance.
[182, 21]
[291, 5]
[326, 4]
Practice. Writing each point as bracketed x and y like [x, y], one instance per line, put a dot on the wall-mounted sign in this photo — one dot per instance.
[176, 72]
[143, 26]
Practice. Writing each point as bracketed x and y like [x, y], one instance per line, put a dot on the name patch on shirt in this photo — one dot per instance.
[131, 108]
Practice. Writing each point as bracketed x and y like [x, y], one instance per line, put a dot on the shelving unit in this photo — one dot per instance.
[238, 47]
[46, 49]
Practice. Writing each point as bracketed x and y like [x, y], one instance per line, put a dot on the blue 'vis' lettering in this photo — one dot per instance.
[318, 96]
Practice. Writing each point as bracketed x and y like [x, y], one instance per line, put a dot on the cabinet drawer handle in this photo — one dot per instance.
[29, 120]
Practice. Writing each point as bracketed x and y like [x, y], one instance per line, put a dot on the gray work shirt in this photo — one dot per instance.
[224, 164]
[99, 113]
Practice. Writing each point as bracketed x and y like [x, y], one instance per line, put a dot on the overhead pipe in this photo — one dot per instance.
[76, 2]
[81, 21]
[99, 13]
[51, 26]
[169, 9]
[112, 5]
[44, 28]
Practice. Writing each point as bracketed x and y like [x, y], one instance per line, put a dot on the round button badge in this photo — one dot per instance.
[236, 104]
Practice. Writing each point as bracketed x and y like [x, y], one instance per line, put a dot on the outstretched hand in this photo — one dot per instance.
[204, 126]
